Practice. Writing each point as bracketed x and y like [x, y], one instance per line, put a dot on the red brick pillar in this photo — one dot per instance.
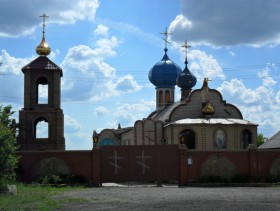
[96, 167]
[183, 167]
[253, 161]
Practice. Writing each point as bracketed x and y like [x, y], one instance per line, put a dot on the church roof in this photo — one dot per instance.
[122, 130]
[164, 114]
[42, 63]
[191, 108]
[272, 143]
[165, 72]
[211, 121]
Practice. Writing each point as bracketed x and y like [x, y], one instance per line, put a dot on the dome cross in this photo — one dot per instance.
[44, 16]
[166, 34]
[186, 46]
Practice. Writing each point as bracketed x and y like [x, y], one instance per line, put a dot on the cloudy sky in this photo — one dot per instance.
[106, 49]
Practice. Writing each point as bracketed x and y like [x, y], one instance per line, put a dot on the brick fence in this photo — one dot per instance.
[152, 163]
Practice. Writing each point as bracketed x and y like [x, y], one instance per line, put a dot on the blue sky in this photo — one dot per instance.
[106, 49]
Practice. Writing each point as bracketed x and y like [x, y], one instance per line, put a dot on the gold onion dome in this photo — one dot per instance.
[43, 49]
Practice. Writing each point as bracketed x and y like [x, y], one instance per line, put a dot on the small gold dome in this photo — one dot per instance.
[43, 49]
[207, 109]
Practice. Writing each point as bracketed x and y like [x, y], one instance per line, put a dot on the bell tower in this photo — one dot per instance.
[42, 120]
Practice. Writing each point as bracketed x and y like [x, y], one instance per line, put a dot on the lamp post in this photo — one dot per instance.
[95, 138]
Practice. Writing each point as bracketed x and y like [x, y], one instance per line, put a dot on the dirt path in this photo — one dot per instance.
[173, 198]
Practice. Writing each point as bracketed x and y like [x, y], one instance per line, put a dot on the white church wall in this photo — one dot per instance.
[205, 135]
[127, 138]
[138, 132]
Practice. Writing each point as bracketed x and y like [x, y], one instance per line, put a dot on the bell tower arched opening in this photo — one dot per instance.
[41, 129]
[42, 93]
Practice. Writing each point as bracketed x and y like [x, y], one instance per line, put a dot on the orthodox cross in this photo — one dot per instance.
[186, 46]
[142, 161]
[207, 80]
[44, 16]
[166, 33]
[205, 91]
[115, 159]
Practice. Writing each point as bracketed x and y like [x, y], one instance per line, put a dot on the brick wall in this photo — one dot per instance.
[192, 164]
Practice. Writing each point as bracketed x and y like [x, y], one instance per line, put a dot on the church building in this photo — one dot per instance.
[201, 119]
[201, 136]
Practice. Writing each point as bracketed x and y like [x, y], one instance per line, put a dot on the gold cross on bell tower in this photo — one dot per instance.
[166, 33]
[44, 16]
[186, 46]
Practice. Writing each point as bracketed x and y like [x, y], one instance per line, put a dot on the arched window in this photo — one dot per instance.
[246, 139]
[187, 137]
[41, 129]
[160, 98]
[42, 90]
[167, 97]
[219, 139]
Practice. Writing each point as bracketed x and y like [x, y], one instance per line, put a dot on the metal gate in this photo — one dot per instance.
[146, 163]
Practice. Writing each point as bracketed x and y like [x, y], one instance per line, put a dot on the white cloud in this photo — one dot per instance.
[125, 84]
[277, 98]
[127, 114]
[71, 125]
[101, 30]
[136, 32]
[86, 59]
[231, 53]
[21, 17]
[180, 23]
[89, 77]
[12, 76]
[227, 23]
[204, 65]
[259, 105]
[78, 141]
[268, 81]
[101, 111]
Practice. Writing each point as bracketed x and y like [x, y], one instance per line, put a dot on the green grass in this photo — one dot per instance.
[35, 197]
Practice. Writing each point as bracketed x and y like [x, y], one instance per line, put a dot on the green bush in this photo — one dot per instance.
[64, 179]
[8, 157]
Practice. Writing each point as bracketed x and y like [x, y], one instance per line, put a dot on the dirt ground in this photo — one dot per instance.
[143, 197]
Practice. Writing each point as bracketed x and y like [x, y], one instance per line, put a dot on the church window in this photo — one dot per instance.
[167, 97]
[219, 139]
[41, 129]
[42, 90]
[246, 139]
[187, 137]
[160, 98]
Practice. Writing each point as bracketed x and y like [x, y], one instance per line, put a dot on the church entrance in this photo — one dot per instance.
[187, 137]
[157, 163]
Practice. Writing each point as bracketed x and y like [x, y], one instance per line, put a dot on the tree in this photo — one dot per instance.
[5, 118]
[8, 146]
[260, 139]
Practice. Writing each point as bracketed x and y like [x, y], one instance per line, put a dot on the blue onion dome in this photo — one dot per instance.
[186, 80]
[164, 73]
